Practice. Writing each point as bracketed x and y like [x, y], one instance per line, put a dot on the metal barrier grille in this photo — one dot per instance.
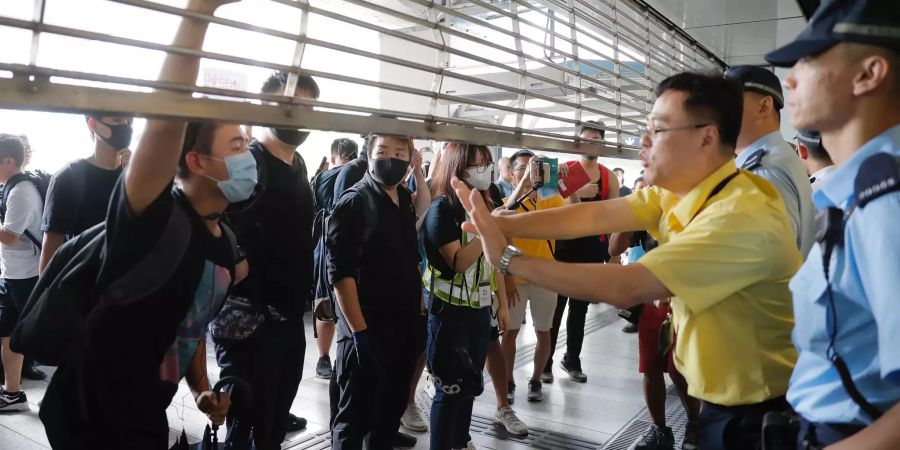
[517, 73]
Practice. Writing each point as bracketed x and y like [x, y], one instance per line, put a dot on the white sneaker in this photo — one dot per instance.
[508, 418]
[412, 419]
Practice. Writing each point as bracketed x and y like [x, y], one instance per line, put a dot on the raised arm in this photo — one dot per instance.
[155, 159]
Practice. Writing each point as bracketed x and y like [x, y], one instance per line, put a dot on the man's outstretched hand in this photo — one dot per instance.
[481, 222]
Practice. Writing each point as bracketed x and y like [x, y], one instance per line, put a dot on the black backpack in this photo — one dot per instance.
[40, 180]
[52, 324]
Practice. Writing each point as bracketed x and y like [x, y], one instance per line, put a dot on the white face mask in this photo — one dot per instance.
[480, 180]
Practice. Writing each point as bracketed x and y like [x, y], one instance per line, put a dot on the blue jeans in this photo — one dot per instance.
[458, 340]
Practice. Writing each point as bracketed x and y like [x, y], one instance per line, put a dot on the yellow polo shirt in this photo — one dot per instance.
[533, 247]
[729, 269]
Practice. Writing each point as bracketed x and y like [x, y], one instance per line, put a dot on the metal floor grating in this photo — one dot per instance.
[676, 418]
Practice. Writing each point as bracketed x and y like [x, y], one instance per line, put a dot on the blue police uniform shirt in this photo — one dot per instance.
[781, 166]
[865, 287]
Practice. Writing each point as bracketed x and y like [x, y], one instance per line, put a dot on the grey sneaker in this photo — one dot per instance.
[574, 370]
[13, 402]
[508, 418]
[656, 438]
[534, 391]
[323, 367]
[412, 419]
[547, 376]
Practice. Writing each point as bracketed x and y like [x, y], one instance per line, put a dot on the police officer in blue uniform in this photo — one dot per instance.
[762, 150]
[845, 82]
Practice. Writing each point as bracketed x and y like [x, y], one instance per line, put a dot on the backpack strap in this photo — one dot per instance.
[7, 189]
[159, 264]
[604, 182]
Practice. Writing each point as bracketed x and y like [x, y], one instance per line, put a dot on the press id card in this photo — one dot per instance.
[484, 296]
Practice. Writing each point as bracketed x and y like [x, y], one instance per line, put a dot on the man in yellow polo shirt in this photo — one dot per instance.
[727, 253]
[520, 292]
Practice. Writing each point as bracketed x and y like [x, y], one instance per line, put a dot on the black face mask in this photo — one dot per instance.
[120, 135]
[590, 158]
[290, 136]
[388, 171]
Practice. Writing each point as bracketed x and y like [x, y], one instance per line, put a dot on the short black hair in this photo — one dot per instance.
[344, 148]
[11, 146]
[278, 80]
[619, 169]
[520, 154]
[710, 97]
[592, 125]
[198, 138]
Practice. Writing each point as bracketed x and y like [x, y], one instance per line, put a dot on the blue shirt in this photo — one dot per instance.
[782, 167]
[865, 282]
[505, 187]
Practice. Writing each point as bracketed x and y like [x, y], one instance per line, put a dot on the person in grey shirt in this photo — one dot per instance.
[762, 150]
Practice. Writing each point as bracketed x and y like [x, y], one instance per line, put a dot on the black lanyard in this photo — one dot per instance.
[713, 193]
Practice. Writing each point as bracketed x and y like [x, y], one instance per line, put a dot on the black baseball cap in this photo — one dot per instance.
[810, 139]
[873, 22]
[759, 80]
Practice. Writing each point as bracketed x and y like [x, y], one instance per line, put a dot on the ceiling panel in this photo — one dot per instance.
[738, 31]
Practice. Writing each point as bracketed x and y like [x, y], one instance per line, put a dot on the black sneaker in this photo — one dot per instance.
[13, 402]
[403, 440]
[574, 370]
[295, 423]
[323, 367]
[31, 372]
[534, 391]
[656, 438]
[630, 328]
[690, 438]
[511, 392]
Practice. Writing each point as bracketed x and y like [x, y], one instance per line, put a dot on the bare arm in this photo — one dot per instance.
[613, 186]
[8, 238]
[196, 375]
[883, 434]
[623, 286]
[348, 300]
[423, 194]
[618, 243]
[570, 222]
[155, 159]
[52, 242]
[463, 255]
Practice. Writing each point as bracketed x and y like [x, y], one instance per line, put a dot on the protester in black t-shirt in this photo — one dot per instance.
[79, 193]
[377, 281]
[620, 177]
[276, 234]
[124, 375]
[343, 150]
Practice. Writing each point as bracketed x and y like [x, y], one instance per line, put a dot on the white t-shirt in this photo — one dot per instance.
[24, 209]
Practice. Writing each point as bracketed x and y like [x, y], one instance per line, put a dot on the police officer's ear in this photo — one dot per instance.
[766, 106]
[802, 152]
[874, 72]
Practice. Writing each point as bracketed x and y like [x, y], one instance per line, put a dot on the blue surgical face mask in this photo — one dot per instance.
[242, 176]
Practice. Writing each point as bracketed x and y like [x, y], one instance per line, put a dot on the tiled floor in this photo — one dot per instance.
[572, 415]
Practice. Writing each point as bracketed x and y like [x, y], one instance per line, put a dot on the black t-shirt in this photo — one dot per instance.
[441, 227]
[126, 343]
[350, 174]
[276, 234]
[589, 249]
[78, 197]
[386, 265]
[323, 187]
[624, 191]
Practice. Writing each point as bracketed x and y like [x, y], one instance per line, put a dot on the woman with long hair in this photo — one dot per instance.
[462, 287]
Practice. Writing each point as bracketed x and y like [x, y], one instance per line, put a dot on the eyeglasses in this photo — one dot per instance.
[652, 132]
[483, 169]
[520, 168]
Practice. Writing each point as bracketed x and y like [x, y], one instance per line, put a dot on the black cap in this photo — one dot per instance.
[810, 139]
[873, 22]
[759, 80]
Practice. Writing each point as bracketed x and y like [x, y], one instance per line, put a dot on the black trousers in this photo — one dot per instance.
[574, 326]
[735, 427]
[271, 361]
[372, 399]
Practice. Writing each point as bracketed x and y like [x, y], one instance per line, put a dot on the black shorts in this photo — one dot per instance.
[13, 297]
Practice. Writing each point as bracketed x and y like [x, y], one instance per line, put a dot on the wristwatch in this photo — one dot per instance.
[508, 253]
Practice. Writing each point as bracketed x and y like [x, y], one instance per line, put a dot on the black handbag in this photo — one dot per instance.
[632, 314]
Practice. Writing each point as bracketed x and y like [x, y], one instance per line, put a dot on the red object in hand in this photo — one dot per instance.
[575, 179]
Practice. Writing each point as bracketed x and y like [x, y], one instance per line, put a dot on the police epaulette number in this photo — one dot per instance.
[755, 160]
[878, 175]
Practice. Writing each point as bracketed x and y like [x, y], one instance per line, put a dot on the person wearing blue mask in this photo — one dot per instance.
[134, 353]
[845, 83]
